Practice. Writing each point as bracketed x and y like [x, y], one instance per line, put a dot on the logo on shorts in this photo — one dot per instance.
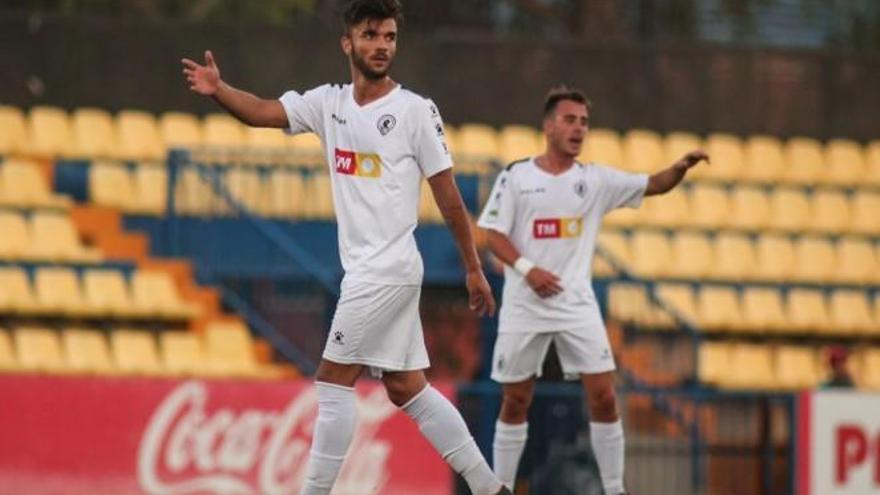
[337, 337]
[556, 228]
[386, 124]
[500, 363]
[606, 354]
[358, 164]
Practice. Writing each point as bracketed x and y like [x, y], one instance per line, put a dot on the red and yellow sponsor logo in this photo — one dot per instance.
[556, 228]
[359, 164]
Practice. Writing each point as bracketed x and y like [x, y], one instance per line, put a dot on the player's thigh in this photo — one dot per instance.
[584, 351]
[338, 373]
[402, 386]
[519, 356]
[520, 393]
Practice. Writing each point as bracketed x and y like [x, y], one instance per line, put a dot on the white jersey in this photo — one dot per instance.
[553, 220]
[378, 154]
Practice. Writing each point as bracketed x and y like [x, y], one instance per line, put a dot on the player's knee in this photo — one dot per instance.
[399, 392]
[603, 403]
[515, 404]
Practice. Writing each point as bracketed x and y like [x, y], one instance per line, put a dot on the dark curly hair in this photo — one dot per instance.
[356, 11]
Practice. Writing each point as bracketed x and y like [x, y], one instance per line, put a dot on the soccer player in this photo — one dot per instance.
[380, 140]
[542, 219]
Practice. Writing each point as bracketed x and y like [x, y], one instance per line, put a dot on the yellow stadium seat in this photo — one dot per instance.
[154, 293]
[680, 298]
[651, 254]
[107, 293]
[59, 291]
[138, 136]
[625, 217]
[763, 309]
[54, 237]
[287, 193]
[789, 210]
[86, 351]
[49, 131]
[318, 197]
[846, 162]
[603, 146]
[111, 185]
[718, 308]
[180, 130]
[183, 353]
[307, 150]
[714, 362]
[428, 209]
[25, 185]
[815, 260]
[8, 361]
[776, 258]
[805, 161]
[628, 303]
[872, 163]
[865, 219]
[477, 144]
[38, 349]
[870, 376]
[692, 256]
[726, 153]
[678, 144]
[265, 139]
[668, 210]
[150, 189]
[13, 130]
[248, 189]
[796, 368]
[617, 245]
[807, 310]
[15, 238]
[94, 135]
[751, 367]
[230, 348]
[223, 130]
[16, 295]
[831, 212]
[735, 258]
[642, 151]
[517, 142]
[135, 352]
[193, 195]
[856, 262]
[764, 159]
[750, 209]
[851, 312]
[710, 207]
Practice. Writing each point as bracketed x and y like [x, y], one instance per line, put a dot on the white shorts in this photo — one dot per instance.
[520, 356]
[378, 326]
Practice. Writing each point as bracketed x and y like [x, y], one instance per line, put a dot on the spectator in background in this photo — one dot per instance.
[839, 376]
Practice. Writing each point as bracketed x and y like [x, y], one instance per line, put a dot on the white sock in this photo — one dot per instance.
[510, 440]
[334, 429]
[443, 426]
[607, 440]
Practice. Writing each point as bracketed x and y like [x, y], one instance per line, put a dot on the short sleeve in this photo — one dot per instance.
[305, 112]
[621, 189]
[429, 139]
[500, 210]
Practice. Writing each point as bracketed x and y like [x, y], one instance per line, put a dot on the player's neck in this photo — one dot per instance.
[554, 162]
[368, 90]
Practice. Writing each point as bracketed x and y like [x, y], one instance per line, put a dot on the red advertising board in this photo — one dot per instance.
[96, 436]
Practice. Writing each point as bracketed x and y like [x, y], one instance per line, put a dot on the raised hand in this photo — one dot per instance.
[480, 298]
[544, 283]
[691, 159]
[203, 79]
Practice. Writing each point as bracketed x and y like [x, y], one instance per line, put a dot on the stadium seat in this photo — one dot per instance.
[50, 132]
[751, 367]
[805, 161]
[776, 258]
[642, 151]
[230, 348]
[851, 312]
[58, 291]
[193, 195]
[55, 238]
[107, 293]
[262, 139]
[750, 209]
[8, 361]
[286, 193]
[807, 311]
[603, 146]
[764, 159]
[86, 351]
[651, 254]
[16, 294]
[616, 244]
[735, 258]
[222, 130]
[678, 144]
[726, 153]
[38, 349]
[25, 185]
[796, 368]
[13, 130]
[856, 262]
[680, 298]
[789, 210]
[138, 136]
[151, 189]
[872, 163]
[628, 303]
[306, 150]
[183, 353]
[319, 199]
[668, 210]
[718, 308]
[815, 260]
[846, 162]
[180, 130]
[428, 209]
[111, 185]
[625, 217]
[870, 376]
[865, 219]
[15, 238]
[763, 309]
[714, 362]
[692, 256]
[710, 207]
[94, 135]
[477, 145]
[830, 212]
[154, 293]
[247, 187]
[517, 142]
[135, 352]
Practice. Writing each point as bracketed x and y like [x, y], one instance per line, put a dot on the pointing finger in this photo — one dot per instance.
[209, 58]
[190, 64]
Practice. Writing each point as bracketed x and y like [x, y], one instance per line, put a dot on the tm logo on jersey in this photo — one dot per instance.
[556, 228]
[359, 164]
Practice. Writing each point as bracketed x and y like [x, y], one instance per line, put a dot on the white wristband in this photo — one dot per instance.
[523, 266]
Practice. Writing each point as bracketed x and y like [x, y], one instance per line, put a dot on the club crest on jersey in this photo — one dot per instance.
[580, 188]
[358, 164]
[557, 228]
[386, 124]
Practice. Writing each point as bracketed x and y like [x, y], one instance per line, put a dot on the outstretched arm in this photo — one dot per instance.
[449, 201]
[252, 110]
[665, 180]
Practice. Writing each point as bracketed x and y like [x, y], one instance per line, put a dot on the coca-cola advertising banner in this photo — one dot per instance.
[96, 436]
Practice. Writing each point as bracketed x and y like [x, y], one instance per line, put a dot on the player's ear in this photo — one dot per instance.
[345, 42]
